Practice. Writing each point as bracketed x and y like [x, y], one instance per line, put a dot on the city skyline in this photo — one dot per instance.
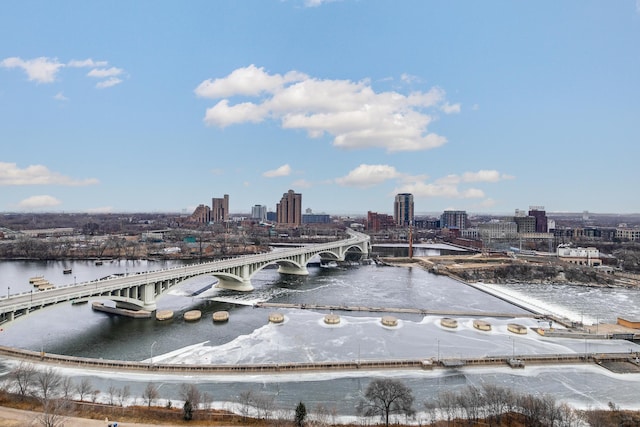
[156, 106]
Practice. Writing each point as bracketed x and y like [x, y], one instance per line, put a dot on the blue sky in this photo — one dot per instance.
[159, 106]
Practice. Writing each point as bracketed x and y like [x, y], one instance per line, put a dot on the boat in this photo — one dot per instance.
[99, 262]
[66, 271]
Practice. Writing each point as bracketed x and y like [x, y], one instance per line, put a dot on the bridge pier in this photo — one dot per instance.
[291, 269]
[243, 285]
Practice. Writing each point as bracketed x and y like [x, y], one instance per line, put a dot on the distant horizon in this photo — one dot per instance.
[363, 214]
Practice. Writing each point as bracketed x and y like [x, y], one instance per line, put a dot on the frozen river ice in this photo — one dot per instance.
[248, 337]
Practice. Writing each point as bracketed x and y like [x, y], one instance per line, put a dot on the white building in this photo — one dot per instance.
[581, 256]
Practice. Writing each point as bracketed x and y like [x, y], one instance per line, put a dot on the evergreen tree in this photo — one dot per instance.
[301, 414]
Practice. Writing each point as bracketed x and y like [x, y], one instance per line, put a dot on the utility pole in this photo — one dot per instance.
[410, 240]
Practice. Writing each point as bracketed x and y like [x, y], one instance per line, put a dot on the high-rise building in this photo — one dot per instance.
[289, 210]
[259, 212]
[454, 219]
[540, 215]
[220, 209]
[202, 215]
[403, 209]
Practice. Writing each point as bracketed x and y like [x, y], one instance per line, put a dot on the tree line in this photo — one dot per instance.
[387, 401]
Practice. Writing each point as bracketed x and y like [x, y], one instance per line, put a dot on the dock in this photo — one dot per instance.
[137, 314]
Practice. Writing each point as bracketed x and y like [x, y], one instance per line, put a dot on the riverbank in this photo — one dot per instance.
[499, 269]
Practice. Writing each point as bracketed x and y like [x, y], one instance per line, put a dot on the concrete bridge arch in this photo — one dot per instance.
[141, 290]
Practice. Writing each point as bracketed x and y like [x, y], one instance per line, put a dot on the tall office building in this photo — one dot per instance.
[454, 219]
[259, 212]
[220, 209]
[540, 215]
[289, 210]
[403, 209]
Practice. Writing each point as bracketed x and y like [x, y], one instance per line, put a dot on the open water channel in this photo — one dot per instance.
[248, 337]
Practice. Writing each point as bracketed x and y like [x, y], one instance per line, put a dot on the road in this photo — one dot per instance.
[10, 417]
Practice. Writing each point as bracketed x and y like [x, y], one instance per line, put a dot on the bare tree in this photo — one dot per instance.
[123, 394]
[447, 402]
[150, 394]
[385, 397]
[471, 401]
[245, 402]
[498, 401]
[264, 404]
[431, 412]
[191, 396]
[66, 387]
[49, 383]
[112, 392]
[53, 413]
[191, 393]
[84, 388]
[23, 377]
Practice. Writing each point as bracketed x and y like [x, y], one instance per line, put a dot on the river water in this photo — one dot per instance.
[248, 337]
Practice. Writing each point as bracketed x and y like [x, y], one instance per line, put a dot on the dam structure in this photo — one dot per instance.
[140, 291]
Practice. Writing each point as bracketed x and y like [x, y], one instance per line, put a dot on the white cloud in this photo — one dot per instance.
[105, 72]
[450, 191]
[352, 112]
[86, 63]
[449, 186]
[250, 81]
[12, 175]
[217, 171]
[45, 70]
[60, 97]
[450, 108]
[408, 78]
[368, 175]
[284, 170]
[316, 3]
[40, 70]
[108, 83]
[301, 183]
[39, 202]
[224, 115]
[485, 176]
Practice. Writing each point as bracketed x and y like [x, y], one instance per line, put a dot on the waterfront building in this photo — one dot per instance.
[581, 256]
[289, 210]
[220, 209]
[454, 220]
[259, 212]
[403, 209]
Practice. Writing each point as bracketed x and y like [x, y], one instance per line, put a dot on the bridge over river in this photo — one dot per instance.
[140, 291]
